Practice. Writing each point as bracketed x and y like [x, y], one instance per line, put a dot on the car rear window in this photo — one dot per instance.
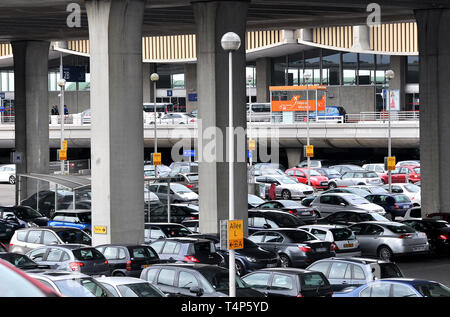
[142, 253]
[389, 270]
[88, 254]
[402, 199]
[341, 234]
[313, 281]
[299, 236]
[202, 248]
[286, 220]
[175, 231]
[401, 229]
[74, 236]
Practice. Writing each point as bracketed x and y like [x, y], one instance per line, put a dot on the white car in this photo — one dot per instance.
[129, 287]
[286, 187]
[176, 118]
[377, 168]
[408, 189]
[352, 178]
[8, 173]
[405, 163]
[414, 213]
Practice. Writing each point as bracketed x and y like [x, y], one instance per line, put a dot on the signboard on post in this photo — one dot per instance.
[390, 163]
[74, 74]
[62, 154]
[156, 157]
[64, 143]
[251, 145]
[309, 150]
[231, 234]
[16, 157]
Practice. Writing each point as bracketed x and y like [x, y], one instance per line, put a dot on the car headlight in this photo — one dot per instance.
[250, 259]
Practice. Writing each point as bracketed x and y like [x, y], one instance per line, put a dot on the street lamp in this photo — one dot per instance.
[307, 77]
[154, 78]
[230, 43]
[389, 76]
[62, 86]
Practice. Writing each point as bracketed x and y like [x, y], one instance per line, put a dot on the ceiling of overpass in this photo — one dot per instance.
[46, 19]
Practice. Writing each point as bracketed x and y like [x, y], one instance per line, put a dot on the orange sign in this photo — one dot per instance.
[296, 104]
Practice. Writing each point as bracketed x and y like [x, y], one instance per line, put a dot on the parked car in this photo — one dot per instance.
[330, 173]
[71, 284]
[183, 167]
[80, 219]
[154, 231]
[357, 190]
[295, 247]
[395, 205]
[351, 217]
[316, 180]
[250, 258]
[7, 229]
[8, 173]
[195, 280]
[21, 261]
[192, 225]
[327, 204]
[254, 201]
[410, 190]
[437, 231]
[178, 213]
[151, 198]
[386, 240]
[16, 283]
[377, 168]
[178, 193]
[293, 207]
[286, 187]
[71, 257]
[352, 178]
[403, 174]
[398, 288]
[315, 164]
[271, 219]
[129, 287]
[149, 170]
[369, 188]
[414, 174]
[187, 250]
[128, 259]
[25, 240]
[175, 118]
[190, 180]
[411, 162]
[343, 240]
[291, 282]
[353, 271]
[25, 216]
[411, 214]
[342, 168]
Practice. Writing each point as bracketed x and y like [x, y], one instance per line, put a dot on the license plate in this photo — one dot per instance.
[272, 265]
[421, 248]
[306, 213]
[145, 265]
[324, 184]
[405, 207]
[321, 249]
[348, 245]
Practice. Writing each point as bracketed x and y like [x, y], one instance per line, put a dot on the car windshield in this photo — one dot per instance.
[417, 170]
[299, 236]
[402, 199]
[255, 200]
[88, 254]
[291, 203]
[433, 290]
[371, 175]
[27, 212]
[356, 200]
[178, 188]
[19, 260]
[287, 180]
[82, 287]
[389, 270]
[143, 289]
[175, 231]
[376, 217]
[15, 285]
[74, 236]
[412, 188]
[401, 229]
[192, 178]
[341, 234]
[219, 280]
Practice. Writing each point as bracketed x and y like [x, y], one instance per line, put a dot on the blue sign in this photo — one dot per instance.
[2, 95]
[192, 97]
[169, 93]
[74, 74]
[384, 93]
[249, 154]
[190, 153]
[2, 109]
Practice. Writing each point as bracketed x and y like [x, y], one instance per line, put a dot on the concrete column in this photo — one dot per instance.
[398, 65]
[294, 156]
[361, 37]
[117, 145]
[213, 19]
[190, 82]
[263, 79]
[31, 104]
[434, 52]
[147, 70]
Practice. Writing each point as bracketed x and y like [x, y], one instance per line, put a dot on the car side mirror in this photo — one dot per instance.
[267, 226]
[196, 290]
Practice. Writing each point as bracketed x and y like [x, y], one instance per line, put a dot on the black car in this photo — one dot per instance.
[271, 219]
[187, 250]
[128, 259]
[254, 201]
[26, 216]
[290, 282]
[437, 231]
[192, 225]
[22, 262]
[154, 231]
[250, 258]
[295, 247]
[195, 280]
[348, 218]
[306, 214]
[178, 213]
[7, 229]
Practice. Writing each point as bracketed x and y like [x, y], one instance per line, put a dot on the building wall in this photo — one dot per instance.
[354, 99]
[76, 102]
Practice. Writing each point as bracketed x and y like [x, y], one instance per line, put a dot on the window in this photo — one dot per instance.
[299, 236]
[38, 254]
[282, 282]
[54, 255]
[140, 253]
[399, 290]
[358, 273]
[373, 230]
[380, 290]
[258, 280]
[34, 236]
[358, 228]
[122, 254]
[349, 63]
[330, 68]
[171, 248]
[65, 257]
[187, 280]
[338, 270]
[259, 222]
[111, 289]
[151, 275]
[326, 199]
[320, 267]
[166, 277]
[88, 254]
[313, 281]
[273, 237]
[319, 233]
[110, 253]
[157, 245]
[50, 238]
[257, 237]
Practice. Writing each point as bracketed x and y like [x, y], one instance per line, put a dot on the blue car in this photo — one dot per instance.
[80, 219]
[397, 287]
[395, 205]
[331, 113]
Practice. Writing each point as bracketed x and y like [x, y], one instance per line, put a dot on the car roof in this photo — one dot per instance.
[384, 223]
[57, 275]
[413, 281]
[74, 211]
[126, 245]
[194, 266]
[67, 246]
[287, 270]
[120, 280]
[324, 226]
[186, 239]
[55, 229]
[356, 260]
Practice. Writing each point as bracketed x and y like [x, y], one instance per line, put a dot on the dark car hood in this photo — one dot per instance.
[256, 252]
[245, 292]
[40, 221]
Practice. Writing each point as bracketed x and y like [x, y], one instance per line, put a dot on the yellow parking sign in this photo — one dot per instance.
[391, 163]
[156, 158]
[310, 151]
[100, 229]
[251, 145]
[235, 234]
[64, 145]
[62, 155]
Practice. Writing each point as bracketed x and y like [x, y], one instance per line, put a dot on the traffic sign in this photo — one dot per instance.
[156, 158]
[62, 154]
[309, 150]
[100, 229]
[189, 153]
[74, 73]
[169, 93]
[249, 154]
[64, 145]
[235, 234]
[2, 95]
[251, 145]
[391, 163]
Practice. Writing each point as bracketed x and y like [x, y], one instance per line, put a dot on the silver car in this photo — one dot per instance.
[326, 204]
[388, 239]
[129, 287]
[352, 178]
[286, 187]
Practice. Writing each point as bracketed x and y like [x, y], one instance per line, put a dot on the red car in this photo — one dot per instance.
[403, 174]
[301, 174]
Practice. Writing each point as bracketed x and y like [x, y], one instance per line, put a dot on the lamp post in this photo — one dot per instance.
[154, 78]
[307, 77]
[62, 86]
[389, 76]
[230, 43]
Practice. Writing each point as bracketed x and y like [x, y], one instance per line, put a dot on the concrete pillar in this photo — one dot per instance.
[147, 70]
[398, 65]
[434, 52]
[213, 19]
[31, 104]
[361, 37]
[294, 156]
[117, 145]
[190, 82]
[263, 79]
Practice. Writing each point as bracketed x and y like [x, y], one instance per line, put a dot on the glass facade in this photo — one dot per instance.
[412, 70]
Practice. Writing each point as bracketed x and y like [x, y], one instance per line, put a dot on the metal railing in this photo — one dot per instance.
[383, 116]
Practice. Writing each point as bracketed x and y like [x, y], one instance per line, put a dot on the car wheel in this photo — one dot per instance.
[118, 274]
[384, 253]
[240, 270]
[12, 180]
[332, 185]
[285, 262]
[286, 194]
